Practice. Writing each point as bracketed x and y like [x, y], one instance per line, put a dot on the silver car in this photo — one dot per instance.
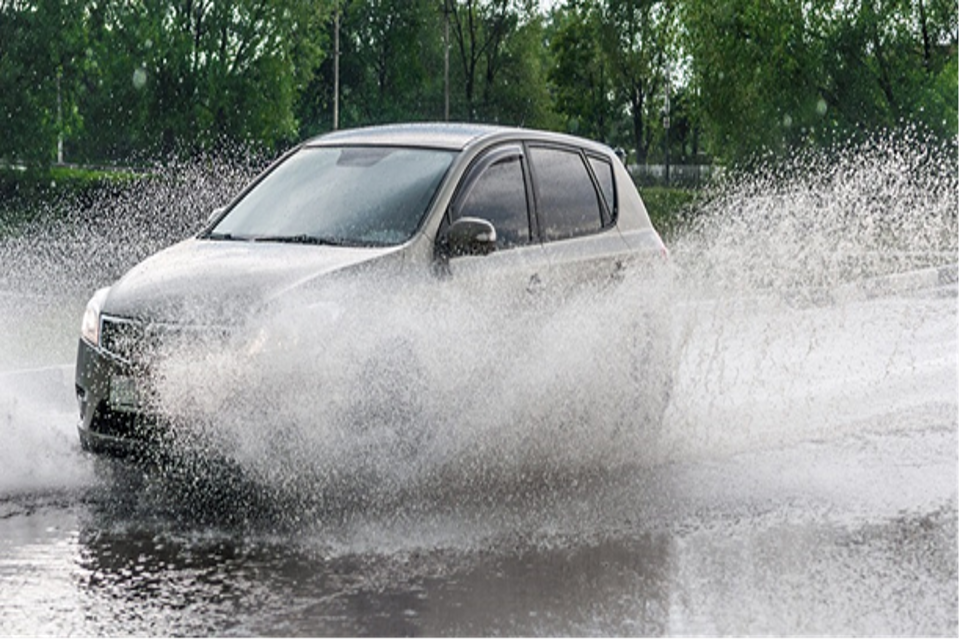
[536, 212]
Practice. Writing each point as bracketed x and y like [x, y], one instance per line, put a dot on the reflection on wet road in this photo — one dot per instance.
[813, 495]
[762, 543]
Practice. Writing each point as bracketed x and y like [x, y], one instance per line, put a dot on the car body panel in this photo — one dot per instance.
[235, 276]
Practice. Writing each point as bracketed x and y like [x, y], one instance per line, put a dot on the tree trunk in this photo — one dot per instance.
[637, 108]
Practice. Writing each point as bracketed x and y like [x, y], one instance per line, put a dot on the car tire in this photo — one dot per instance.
[650, 371]
[390, 399]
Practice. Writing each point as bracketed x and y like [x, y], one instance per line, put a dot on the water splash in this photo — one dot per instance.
[807, 301]
[826, 218]
[426, 394]
[49, 266]
[86, 240]
[818, 297]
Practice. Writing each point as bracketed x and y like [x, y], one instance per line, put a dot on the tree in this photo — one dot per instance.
[580, 76]
[775, 75]
[889, 64]
[756, 68]
[492, 37]
[41, 57]
[515, 88]
[395, 47]
[193, 74]
[611, 62]
[639, 41]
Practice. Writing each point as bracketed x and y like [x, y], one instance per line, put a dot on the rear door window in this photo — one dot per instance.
[568, 204]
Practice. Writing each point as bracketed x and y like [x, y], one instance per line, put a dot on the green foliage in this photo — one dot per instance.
[757, 69]
[777, 75]
[581, 76]
[197, 73]
[122, 82]
[392, 60]
[516, 91]
[40, 62]
[612, 65]
[499, 65]
[939, 103]
[638, 39]
[386, 61]
[668, 208]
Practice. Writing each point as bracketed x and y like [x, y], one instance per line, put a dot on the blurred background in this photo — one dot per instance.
[681, 86]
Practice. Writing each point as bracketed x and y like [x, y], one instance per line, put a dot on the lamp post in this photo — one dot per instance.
[59, 118]
[336, 66]
[666, 128]
[446, 61]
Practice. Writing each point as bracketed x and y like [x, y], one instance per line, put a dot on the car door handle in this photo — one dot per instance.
[535, 284]
[619, 270]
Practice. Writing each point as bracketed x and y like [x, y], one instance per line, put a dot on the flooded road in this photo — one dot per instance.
[825, 503]
[804, 480]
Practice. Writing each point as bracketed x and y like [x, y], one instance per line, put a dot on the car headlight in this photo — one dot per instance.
[284, 328]
[90, 327]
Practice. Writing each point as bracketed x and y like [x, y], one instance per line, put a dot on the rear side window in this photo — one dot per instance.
[567, 202]
[604, 173]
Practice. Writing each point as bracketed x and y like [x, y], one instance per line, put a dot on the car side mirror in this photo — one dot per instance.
[467, 237]
[215, 214]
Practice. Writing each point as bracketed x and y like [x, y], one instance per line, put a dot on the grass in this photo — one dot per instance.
[28, 195]
[667, 206]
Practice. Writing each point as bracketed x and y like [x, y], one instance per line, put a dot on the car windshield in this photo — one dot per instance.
[353, 196]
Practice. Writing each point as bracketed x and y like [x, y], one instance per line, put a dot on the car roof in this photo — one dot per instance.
[446, 135]
[439, 135]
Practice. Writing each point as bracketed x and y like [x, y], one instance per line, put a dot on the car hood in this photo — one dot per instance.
[216, 281]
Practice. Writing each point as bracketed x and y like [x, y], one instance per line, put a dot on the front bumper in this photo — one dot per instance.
[105, 426]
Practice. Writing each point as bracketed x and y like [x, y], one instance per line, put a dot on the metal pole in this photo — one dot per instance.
[446, 61]
[336, 67]
[59, 119]
[666, 131]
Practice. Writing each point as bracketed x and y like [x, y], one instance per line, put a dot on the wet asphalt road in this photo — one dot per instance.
[810, 499]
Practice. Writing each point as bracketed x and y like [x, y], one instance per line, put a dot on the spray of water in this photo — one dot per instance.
[814, 299]
[49, 266]
[79, 241]
[416, 392]
[810, 224]
[818, 297]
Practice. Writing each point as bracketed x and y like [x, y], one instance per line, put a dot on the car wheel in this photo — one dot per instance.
[650, 370]
[389, 401]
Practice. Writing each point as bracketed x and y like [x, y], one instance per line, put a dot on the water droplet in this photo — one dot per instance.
[139, 78]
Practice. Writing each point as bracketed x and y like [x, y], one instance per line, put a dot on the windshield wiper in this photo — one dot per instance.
[215, 235]
[302, 238]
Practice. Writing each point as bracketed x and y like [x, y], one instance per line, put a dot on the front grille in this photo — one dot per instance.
[121, 338]
[138, 342]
